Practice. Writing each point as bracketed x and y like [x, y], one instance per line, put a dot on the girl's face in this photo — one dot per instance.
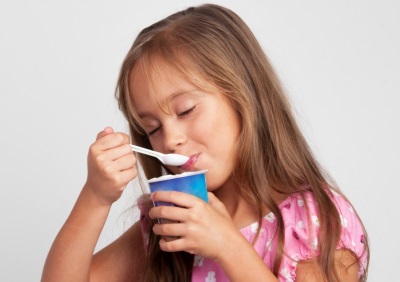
[180, 118]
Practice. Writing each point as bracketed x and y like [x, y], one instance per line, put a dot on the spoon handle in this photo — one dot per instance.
[145, 151]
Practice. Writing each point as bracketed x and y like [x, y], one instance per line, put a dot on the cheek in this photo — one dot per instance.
[156, 144]
[222, 141]
[226, 131]
[203, 130]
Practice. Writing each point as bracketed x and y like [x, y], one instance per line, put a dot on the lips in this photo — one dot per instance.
[190, 163]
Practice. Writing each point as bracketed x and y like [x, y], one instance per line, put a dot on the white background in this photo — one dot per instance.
[59, 62]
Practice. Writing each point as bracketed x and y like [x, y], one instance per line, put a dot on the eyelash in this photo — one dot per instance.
[184, 113]
[187, 111]
[153, 131]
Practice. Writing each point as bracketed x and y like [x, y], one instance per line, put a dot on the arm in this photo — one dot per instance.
[111, 165]
[70, 256]
[206, 229]
[122, 260]
[242, 263]
[345, 262]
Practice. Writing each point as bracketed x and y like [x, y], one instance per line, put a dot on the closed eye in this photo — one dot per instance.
[182, 114]
[153, 131]
[187, 111]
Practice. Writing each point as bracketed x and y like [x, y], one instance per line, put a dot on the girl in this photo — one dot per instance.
[197, 83]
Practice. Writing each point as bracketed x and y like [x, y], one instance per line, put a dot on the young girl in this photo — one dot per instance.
[198, 84]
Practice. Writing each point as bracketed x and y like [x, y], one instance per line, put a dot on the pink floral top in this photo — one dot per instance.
[301, 240]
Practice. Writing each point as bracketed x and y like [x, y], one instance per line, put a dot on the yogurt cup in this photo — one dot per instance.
[193, 183]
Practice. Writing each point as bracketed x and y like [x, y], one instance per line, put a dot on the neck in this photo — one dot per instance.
[242, 213]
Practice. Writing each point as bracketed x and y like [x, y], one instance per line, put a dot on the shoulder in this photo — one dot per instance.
[302, 222]
[353, 235]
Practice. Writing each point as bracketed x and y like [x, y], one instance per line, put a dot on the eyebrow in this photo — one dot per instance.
[144, 115]
[180, 93]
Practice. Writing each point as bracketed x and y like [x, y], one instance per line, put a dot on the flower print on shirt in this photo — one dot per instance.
[315, 220]
[344, 221]
[286, 274]
[254, 227]
[300, 202]
[270, 217]
[211, 277]
[296, 258]
[198, 261]
[314, 244]
[268, 245]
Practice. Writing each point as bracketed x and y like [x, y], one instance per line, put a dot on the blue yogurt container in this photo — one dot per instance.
[188, 182]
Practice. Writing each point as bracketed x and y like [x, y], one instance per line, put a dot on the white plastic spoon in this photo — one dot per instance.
[167, 159]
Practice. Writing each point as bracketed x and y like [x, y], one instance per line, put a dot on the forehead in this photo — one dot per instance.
[144, 78]
[156, 80]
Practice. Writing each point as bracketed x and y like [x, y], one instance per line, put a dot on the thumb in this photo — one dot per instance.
[106, 131]
[217, 204]
[213, 200]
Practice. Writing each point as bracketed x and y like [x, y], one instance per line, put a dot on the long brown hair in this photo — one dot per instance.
[214, 49]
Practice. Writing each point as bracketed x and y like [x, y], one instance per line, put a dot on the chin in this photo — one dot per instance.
[215, 182]
[211, 185]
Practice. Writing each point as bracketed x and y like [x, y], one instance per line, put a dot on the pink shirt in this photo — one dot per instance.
[300, 244]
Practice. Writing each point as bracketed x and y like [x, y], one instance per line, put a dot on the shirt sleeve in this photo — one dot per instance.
[352, 236]
[302, 232]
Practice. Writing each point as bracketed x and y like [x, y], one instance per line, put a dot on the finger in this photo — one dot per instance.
[176, 245]
[169, 212]
[128, 175]
[215, 202]
[173, 229]
[118, 152]
[125, 162]
[106, 131]
[178, 198]
[212, 199]
[111, 141]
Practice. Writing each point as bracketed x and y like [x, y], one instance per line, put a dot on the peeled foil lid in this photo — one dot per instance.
[173, 176]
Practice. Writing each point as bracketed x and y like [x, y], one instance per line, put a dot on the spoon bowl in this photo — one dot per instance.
[167, 159]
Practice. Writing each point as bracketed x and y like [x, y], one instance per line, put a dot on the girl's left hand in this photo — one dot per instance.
[204, 229]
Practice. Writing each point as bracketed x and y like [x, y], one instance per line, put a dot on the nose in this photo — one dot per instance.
[174, 137]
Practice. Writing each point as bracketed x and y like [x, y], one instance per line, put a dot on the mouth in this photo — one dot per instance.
[190, 163]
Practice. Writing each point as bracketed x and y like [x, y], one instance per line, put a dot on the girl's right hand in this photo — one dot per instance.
[111, 166]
